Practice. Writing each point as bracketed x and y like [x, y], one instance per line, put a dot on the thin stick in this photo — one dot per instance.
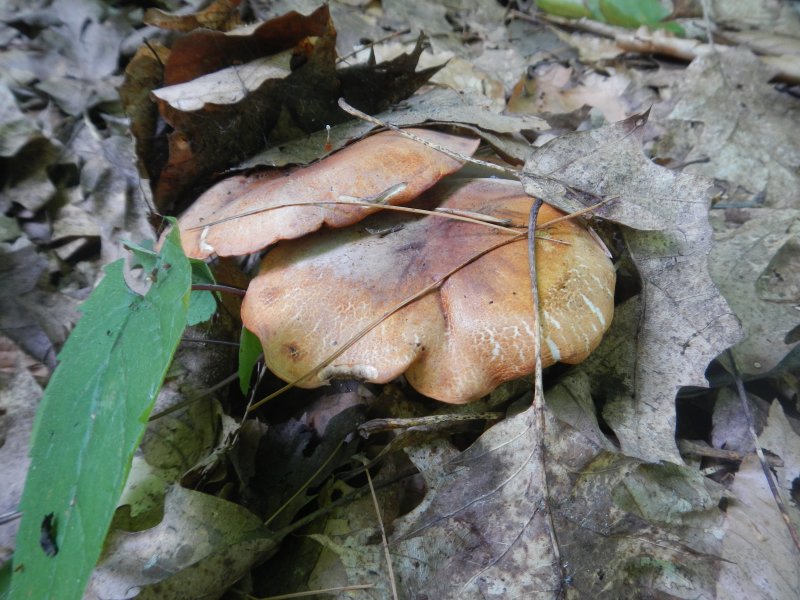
[384, 541]
[215, 287]
[419, 211]
[336, 590]
[204, 341]
[760, 453]
[538, 389]
[370, 326]
[190, 401]
[378, 425]
[306, 483]
[370, 119]
[577, 213]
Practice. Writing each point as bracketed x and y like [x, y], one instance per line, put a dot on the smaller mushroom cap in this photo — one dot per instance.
[458, 342]
[361, 170]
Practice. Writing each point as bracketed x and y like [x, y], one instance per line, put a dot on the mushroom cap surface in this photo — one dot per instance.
[363, 169]
[459, 341]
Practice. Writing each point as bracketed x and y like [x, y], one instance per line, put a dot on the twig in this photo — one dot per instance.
[306, 483]
[644, 41]
[209, 341]
[538, 389]
[384, 541]
[362, 204]
[760, 453]
[190, 401]
[336, 590]
[378, 425]
[215, 287]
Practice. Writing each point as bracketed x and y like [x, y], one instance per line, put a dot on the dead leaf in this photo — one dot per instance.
[293, 460]
[753, 263]
[361, 171]
[748, 128]
[443, 106]
[229, 96]
[220, 15]
[730, 427]
[682, 323]
[760, 560]
[483, 522]
[200, 548]
[554, 88]
[16, 130]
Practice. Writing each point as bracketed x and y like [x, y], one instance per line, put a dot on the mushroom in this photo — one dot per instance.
[461, 340]
[244, 214]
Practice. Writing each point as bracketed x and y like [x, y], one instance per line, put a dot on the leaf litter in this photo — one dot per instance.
[626, 525]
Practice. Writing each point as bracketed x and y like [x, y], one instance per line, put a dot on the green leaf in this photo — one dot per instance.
[633, 13]
[202, 304]
[5, 580]
[572, 9]
[91, 419]
[249, 352]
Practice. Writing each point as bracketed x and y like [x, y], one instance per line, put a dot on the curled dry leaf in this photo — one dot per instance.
[363, 170]
[456, 343]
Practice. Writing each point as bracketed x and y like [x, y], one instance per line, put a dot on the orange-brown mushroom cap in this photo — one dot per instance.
[456, 343]
[364, 169]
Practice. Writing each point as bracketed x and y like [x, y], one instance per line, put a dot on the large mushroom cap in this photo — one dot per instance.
[364, 169]
[458, 342]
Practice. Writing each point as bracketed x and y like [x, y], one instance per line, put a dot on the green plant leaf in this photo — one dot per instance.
[249, 352]
[202, 304]
[633, 13]
[91, 419]
[572, 9]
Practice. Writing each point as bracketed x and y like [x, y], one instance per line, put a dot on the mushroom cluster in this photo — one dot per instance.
[473, 331]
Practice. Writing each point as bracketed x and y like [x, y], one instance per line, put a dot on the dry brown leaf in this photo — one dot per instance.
[220, 15]
[625, 529]
[554, 88]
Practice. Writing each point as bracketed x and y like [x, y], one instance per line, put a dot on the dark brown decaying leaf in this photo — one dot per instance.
[227, 96]
[363, 170]
[460, 341]
[144, 73]
[680, 321]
